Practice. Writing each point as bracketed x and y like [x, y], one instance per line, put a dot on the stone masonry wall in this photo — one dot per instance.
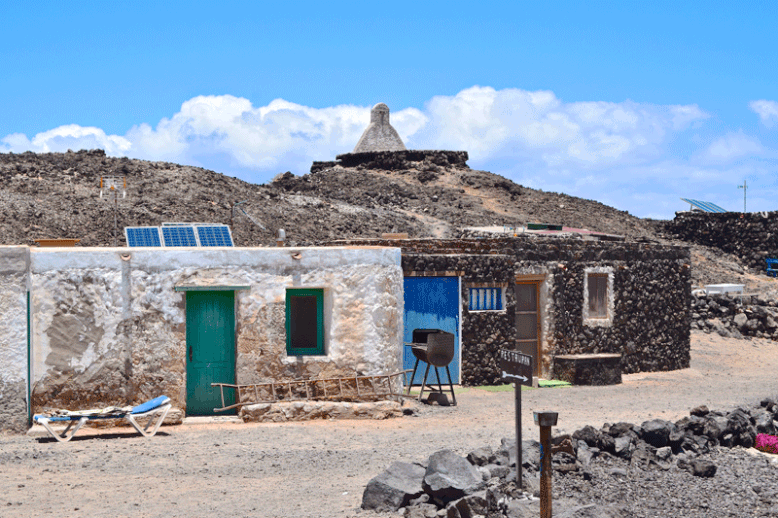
[397, 160]
[737, 316]
[751, 236]
[651, 290]
[13, 338]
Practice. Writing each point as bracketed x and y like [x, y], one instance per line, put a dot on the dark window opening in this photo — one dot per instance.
[598, 295]
[304, 322]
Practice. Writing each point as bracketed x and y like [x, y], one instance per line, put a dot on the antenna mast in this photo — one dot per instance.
[110, 187]
[745, 188]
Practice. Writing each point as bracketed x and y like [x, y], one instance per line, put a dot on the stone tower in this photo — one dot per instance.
[379, 134]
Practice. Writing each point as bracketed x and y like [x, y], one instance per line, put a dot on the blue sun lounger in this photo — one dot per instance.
[157, 406]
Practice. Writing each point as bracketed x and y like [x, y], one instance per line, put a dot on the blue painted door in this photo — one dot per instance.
[431, 303]
[210, 343]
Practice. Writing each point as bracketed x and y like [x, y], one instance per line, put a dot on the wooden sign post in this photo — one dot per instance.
[517, 368]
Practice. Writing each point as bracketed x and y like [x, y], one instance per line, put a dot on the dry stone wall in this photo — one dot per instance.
[751, 236]
[424, 160]
[735, 316]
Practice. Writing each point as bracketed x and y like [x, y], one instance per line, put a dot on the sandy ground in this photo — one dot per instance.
[319, 469]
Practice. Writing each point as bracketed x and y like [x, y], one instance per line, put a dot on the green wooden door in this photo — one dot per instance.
[210, 344]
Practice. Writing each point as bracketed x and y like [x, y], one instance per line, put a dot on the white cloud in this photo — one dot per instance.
[767, 111]
[489, 122]
[634, 152]
[729, 147]
[67, 137]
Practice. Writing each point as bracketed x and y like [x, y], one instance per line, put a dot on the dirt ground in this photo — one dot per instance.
[319, 469]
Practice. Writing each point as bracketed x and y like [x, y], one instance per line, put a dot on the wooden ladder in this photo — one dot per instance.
[345, 388]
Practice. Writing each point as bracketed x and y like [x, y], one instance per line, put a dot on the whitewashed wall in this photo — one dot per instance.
[13, 338]
[108, 326]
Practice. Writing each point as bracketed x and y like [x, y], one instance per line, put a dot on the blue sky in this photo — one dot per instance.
[633, 104]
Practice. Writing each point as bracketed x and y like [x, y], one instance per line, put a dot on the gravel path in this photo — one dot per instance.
[319, 469]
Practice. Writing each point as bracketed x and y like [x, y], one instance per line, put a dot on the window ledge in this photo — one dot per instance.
[290, 360]
[598, 322]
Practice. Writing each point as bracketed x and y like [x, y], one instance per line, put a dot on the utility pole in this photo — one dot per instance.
[110, 187]
[745, 188]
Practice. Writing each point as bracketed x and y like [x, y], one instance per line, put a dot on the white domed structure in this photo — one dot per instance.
[379, 134]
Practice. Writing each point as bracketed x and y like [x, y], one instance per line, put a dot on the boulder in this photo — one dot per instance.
[481, 456]
[764, 422]
[595, 438]
[530, 453]
[740, 320]
[449, 477]
[394, 488]
[623, 446]
[469, 506]
[656, 432]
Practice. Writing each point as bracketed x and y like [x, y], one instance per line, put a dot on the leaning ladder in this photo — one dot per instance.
[358, 388]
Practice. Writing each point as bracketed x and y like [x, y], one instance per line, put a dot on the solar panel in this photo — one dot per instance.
[704, 206]
[214, 235]
[142, 236]
[179, 236]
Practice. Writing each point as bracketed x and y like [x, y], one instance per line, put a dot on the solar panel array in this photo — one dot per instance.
[704, 206]
[179, 236]
[142, 236]
[173, 235]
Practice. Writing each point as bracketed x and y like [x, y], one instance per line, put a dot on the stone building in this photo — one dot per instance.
[91, 327]
[551, 297]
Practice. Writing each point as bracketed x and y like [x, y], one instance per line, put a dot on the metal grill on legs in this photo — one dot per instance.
[435, 348]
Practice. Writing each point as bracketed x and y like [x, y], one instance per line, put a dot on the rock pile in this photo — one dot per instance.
[734, 317]
[483, 482]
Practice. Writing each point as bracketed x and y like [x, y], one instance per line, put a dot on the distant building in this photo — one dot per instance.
[379, 134]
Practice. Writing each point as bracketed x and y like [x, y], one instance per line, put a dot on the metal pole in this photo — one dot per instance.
[115, 211]
[519, 460]
[745, 188]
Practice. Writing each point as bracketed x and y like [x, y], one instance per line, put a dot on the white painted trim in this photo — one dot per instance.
[459, 331]
[598, 322]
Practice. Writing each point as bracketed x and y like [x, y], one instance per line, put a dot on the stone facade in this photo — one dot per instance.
[108, 326]
[379, 134]
[751, 236]
[648, 296]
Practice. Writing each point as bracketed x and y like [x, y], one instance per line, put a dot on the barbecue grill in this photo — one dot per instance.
[434, 347]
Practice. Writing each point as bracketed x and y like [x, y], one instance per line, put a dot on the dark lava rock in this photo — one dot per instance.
[481, 456]
[449, 477]
[394, 488]
[656, 432]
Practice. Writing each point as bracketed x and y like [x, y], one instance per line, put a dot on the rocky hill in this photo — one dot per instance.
[55, 195]
[423, 193]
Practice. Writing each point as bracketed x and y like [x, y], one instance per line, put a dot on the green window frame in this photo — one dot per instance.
[304, 322]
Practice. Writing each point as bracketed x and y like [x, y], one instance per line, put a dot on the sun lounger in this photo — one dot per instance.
[76, 419]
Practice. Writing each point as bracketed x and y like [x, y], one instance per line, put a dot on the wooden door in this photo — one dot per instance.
[210, 344]
[528, 321]
[431, 303]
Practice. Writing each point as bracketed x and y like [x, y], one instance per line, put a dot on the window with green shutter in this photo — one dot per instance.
[304, 322]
